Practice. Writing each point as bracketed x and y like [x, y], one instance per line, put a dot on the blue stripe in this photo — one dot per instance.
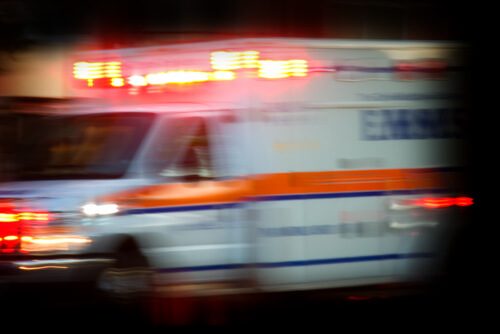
[351, 194]
[323, 195]
[344, 260]
[181, 208]
[319, 195]
[315, 262]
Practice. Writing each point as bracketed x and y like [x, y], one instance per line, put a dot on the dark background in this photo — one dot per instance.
[130, 22]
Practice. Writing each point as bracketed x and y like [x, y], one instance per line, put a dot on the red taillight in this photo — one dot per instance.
[7, 217]
[14, 225]
[437, 202]
[12, 217]
[464, 201]
[443, 202]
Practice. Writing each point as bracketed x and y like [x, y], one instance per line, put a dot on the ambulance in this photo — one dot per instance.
[257, 164]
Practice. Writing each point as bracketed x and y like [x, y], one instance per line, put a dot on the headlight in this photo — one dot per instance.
[105, 209]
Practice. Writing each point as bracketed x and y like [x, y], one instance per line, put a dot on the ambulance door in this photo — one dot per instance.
[193, 226]
[257, 149]
[342, 212]
[279, 212]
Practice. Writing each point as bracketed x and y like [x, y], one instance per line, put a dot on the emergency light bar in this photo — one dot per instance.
[91, 71]
[223, 67]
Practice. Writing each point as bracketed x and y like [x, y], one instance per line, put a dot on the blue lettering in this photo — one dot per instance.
[400, 124]
[431, 124]
[395, 124]
[369, 125]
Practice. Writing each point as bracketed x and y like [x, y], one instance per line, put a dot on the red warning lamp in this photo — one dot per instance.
[13, 225]
[224, 67]
[444, 202]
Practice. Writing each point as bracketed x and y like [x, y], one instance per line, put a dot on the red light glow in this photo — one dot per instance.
[6, 217]
[13, 225]
[223, 64]
[92, 71]
[437, 202]
[463, 201]
[222, 60]
[444, 202]
[358, 298]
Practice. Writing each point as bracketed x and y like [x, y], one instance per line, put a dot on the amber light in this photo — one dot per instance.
[8, 217]
[91, 71]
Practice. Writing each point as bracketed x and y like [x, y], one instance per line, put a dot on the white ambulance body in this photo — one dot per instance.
[290, 164]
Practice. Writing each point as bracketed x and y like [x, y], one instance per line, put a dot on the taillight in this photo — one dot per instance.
[431, 202]
[23, 231]
[444, 202]
[40, 217]
[14, 226]
[464, 201]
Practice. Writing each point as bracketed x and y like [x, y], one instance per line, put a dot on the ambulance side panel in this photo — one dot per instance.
[349, 146]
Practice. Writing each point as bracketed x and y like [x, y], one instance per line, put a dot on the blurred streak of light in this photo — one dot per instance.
[42, 267]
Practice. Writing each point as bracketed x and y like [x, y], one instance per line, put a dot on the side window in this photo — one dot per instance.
[182, 150]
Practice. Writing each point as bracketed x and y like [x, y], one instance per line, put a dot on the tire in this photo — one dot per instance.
[129, 280]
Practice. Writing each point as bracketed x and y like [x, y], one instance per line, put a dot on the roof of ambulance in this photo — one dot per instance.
[283, 42]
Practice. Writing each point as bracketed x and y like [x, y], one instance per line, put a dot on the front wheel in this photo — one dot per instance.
[128, 281]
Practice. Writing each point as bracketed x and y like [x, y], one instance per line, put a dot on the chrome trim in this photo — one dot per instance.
[56, 263]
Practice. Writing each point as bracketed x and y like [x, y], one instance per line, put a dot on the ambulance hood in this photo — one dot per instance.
[61, 195]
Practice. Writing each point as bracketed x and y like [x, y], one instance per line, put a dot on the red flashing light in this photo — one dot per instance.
[223, 67]
[13, 224]
[222, 60]
[464, 201]
[430, 202]
[356, 298]
[437, 202]
[11, 217]
[117, 82]
[92, 71]
[7, 217]
[137, 81]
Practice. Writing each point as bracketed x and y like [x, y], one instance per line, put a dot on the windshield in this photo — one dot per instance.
[81, 147]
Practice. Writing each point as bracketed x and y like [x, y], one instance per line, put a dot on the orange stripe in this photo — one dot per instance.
[208, 192]
[182, 194]
[345, 181]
